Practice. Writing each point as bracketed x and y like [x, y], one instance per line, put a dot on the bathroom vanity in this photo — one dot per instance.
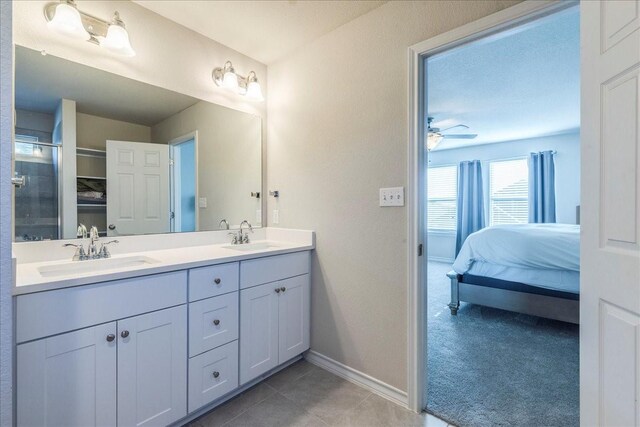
[156, 336]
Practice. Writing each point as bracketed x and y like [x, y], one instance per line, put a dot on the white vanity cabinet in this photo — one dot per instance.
[129, 370]
[274, 316]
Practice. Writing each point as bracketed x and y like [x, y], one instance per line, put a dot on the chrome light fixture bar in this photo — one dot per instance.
[64, 17]
[227, 78]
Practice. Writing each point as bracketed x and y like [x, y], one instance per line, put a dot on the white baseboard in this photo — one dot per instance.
[363, 380]
[440, 259]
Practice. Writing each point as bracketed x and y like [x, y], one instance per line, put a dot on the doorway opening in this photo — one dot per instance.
[184, 191]
[501, 209]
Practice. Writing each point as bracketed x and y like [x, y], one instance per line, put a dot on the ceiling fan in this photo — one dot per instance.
[435, 135]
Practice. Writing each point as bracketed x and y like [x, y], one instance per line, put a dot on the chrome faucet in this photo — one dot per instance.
[224, 224]
[82, 231]
[95, 237]
[244, 238]
[92, 251]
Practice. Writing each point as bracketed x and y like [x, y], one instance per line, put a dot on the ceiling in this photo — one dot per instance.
[263, 30]
[520, 84]
[41, 81]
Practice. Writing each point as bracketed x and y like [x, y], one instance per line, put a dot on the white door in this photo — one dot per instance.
[68, 379]
[293, 322]
[152, 368]
[258, 330]
[610, 198]
[137, 188]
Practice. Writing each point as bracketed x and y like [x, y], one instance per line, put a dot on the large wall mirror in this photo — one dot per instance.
[102, 150]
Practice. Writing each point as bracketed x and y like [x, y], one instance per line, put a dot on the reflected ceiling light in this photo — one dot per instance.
[117, 39]
[433, 139]
[65, 18]
[226, 77]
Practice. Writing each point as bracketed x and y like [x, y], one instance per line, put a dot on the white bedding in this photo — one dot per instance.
[543, 255]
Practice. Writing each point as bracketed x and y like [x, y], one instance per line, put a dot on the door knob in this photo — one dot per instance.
[217, 280]
[112, 226]
[216, 374]
[216, 322]
[124, 334]
[111, 337]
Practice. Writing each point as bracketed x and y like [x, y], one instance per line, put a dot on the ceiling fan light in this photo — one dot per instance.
[67, 20]
[433, 139]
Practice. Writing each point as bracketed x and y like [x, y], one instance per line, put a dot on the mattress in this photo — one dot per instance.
[543, 255]
[557, 280]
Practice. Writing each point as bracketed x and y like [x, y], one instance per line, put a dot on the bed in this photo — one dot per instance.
[526, 268]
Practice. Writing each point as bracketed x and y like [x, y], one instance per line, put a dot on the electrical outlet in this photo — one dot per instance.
[393, 196]
[202, 202]
[276, 216]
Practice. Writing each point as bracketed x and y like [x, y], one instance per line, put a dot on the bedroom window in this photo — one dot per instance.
[441, 197]
[509, 192]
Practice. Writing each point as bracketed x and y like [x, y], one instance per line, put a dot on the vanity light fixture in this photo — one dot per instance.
[247, 86]
[64, 17]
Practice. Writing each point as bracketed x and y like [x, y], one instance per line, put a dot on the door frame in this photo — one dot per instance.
[416, 177]
[177, 141]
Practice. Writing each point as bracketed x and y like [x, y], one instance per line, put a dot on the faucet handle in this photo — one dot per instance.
[234, 239]
[80, 254]
[104, 252]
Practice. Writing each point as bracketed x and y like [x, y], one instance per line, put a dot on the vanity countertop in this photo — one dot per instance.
[29, 277]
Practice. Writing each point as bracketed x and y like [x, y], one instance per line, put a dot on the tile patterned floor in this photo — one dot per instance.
[305, 395]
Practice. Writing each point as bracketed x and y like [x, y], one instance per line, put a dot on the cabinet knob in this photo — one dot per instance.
[216, 374]
[216, 322]
[124, 334]
[217, 280]
[283, 289]
[111, 337]
[277, 290]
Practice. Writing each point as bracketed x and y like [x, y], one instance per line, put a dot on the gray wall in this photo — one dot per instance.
[93, 131]
[441, 245]
[337, 132]
[6, 269]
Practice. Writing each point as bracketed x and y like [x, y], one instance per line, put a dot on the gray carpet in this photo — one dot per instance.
[489, 367]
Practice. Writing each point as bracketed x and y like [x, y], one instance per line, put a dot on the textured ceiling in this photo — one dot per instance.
[520, 84]
[262, 30]
[42, 80]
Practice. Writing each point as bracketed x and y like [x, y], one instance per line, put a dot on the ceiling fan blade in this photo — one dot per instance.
[453, 127]
[461, 136]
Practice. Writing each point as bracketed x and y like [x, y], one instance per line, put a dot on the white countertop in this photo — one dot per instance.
[29, 279]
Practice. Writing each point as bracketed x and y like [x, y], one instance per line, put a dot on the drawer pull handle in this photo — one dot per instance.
[216, 374]
[283, 289]
[124, 334]
[216, 322]
[217, 280]
[111, 337]
[277, 290]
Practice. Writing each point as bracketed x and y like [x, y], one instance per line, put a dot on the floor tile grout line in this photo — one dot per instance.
[251, 406]
[303, 410]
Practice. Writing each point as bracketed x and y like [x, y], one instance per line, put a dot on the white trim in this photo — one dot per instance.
[177, 141]
[416, 268]
[440, 259]
[363, 380]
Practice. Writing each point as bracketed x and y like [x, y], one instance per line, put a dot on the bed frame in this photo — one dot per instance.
[513, 296]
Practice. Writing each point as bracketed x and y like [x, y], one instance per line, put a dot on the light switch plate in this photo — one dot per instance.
[276, 216]
[202, 202]
[393, 196]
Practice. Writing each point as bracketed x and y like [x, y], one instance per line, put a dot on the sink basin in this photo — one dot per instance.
[73, 267]
[247, 247]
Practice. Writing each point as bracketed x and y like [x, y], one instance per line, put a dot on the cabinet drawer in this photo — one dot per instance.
[212, 322]
[265, 270]
[212, 375]
[48, 313]
[208, 282]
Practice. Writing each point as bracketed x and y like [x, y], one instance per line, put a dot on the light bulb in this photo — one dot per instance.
[433, 139]
[230, 80]
[117, 40]
[66, 20]
[254, 92]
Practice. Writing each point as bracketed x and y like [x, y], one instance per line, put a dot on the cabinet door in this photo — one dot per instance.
[152, 368]
[68, 379]
[258, 330]
[293, 320]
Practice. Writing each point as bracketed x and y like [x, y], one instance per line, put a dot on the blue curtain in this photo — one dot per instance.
[542, 187]
[470, 201]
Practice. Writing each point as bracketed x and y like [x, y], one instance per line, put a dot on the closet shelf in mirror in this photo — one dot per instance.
[90, 152]
[100, 178]
[92, 205]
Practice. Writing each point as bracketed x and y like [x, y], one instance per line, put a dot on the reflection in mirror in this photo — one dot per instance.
[99, 149]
